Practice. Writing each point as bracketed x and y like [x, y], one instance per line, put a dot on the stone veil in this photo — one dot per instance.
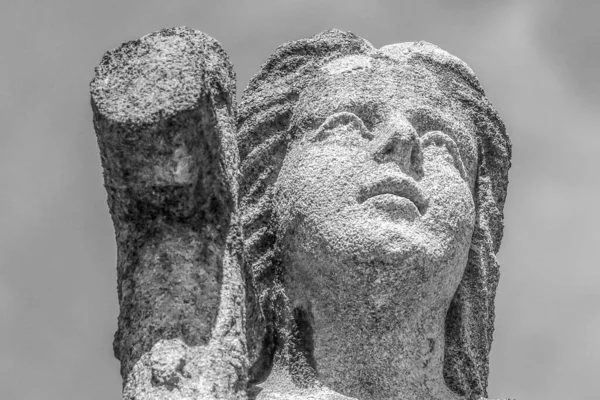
[333, 236]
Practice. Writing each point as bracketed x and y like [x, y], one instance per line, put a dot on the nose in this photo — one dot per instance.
[398, 142]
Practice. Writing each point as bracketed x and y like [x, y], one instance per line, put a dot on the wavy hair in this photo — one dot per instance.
[263, 138]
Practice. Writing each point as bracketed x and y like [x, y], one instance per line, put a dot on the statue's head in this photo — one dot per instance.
[372, 189]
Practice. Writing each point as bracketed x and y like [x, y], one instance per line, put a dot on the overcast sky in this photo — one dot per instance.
[538, 61]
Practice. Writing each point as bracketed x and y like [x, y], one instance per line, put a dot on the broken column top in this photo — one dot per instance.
[156, 76]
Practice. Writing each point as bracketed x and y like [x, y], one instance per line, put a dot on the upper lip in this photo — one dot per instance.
[397, 185]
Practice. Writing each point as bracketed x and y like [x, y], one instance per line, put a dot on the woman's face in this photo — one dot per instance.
[378, 186]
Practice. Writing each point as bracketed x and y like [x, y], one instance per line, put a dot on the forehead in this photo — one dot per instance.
[384, 86]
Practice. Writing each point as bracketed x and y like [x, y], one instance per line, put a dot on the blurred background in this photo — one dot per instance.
[536, 59]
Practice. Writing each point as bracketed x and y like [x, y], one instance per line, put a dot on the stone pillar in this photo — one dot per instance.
[164, 116]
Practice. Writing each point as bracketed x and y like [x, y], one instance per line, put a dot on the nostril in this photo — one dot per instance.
[388, 152]
[388, 149]
[395, 149]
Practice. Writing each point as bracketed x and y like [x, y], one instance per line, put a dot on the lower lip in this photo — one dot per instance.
[390, 206]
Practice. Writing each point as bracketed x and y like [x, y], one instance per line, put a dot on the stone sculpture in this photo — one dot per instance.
[347, 250]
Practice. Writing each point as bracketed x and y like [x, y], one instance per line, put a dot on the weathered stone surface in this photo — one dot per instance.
[164, 115]
[371, 189]
[373, 183]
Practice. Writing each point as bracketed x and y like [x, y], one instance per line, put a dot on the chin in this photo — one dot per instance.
[384, 243]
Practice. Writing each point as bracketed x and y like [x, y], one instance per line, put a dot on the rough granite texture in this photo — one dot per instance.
[370, 187]
[164, 115]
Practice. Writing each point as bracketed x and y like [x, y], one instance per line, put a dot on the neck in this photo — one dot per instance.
[372, 356]
[374, 360]
[369, 332]
[370, 346]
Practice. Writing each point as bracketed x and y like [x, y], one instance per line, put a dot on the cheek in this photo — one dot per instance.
[316, 180]
[451, 211]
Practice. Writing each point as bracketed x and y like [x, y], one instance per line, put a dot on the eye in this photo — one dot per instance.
[345, 125]
[439, 138]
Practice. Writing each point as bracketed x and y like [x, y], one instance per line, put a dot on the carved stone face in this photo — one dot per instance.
[375, 208]
[374, 199]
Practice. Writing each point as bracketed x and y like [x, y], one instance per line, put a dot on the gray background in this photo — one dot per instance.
[536, 59]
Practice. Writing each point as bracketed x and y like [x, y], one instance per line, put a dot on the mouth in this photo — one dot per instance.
[404, 187]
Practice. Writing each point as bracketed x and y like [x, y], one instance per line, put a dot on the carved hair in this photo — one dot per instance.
[263, 138]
